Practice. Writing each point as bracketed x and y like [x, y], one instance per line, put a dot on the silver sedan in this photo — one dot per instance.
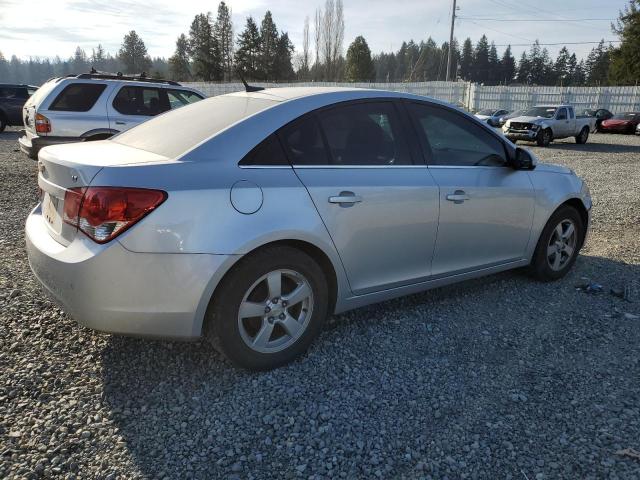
[248, 218]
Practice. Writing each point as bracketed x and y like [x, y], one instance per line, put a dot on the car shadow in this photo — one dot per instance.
[9, 135]
[183, 411]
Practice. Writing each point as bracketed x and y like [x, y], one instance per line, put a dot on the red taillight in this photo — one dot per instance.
[103, 213]
[43, 125]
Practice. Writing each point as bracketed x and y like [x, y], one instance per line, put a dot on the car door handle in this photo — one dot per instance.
[458, 196]
[120, 123]
[346, 197]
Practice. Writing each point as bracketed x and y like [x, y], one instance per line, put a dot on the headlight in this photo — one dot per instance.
[535, 127]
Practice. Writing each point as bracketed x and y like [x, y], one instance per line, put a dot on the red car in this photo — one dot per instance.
[621, 123]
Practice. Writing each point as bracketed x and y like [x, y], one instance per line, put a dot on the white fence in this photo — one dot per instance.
[475, 97]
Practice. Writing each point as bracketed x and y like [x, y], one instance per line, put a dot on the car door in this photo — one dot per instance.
[486, 207]
[133, 104]
[380, 208]
[562, 126]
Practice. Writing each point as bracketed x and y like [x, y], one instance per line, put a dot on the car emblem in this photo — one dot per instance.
[74, 178]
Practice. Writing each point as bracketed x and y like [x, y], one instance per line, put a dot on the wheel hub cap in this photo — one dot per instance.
[562, 245]
[275, 311]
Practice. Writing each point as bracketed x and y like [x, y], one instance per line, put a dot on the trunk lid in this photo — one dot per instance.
[63, 167]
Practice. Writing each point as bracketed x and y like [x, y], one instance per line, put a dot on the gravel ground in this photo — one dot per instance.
[501, 377]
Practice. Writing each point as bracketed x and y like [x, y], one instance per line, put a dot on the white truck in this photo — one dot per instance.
[544, 123]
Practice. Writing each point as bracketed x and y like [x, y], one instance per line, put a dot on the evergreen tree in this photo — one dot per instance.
[524, 69]
[179, 68]
[466, 60]
[203, 49]
[480, 69]
[79, 62]
[507, 67]
[359, 66]
[283, 70]
[268, 48]
[597, 65]
[223, 35]
[572, 65]
[625, 60]
[561, 68]
[493, 75]
[247, 55]
[4, 67]
[98, 58]
[133, 54]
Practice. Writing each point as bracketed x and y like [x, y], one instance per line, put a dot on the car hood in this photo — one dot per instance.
[528, 119]
[553, 168]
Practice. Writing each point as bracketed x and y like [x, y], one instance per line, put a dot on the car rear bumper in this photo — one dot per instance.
[31, 146]
[111, 289]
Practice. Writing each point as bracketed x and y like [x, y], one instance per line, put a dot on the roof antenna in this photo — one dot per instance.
[247, 87]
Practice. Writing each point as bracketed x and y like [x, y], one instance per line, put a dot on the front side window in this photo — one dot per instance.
[364, 134]
[143, 101]
[453, 140]
[180, 98]
[77, 97]
[562, 114]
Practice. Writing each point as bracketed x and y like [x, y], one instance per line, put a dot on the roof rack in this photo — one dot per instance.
[119, 76]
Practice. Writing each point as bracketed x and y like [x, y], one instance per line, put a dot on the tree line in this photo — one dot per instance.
[211, 51]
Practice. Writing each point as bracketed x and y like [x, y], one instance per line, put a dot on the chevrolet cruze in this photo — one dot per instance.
[248, 218]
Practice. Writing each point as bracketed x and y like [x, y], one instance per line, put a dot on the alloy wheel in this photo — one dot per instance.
[275, 311]
[562, 245]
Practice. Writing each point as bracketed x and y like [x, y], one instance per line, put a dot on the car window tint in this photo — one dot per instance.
[269, 152]
[303, 142]
[562, 114]
[78, 97]
[144, 101]
[364, 134]
[180, 98]
[454, 139]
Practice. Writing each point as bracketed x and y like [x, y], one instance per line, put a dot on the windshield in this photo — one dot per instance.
[177, 131]
[486, 111]
[544, 112]
[627, 116]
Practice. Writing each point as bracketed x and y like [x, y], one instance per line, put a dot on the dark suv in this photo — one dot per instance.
[12, 99]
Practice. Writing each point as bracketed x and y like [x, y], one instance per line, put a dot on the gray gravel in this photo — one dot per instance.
[501, 377]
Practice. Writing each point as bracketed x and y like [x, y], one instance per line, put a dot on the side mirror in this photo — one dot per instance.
[524, 160]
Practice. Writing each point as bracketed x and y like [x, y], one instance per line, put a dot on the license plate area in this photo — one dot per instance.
[51, 213]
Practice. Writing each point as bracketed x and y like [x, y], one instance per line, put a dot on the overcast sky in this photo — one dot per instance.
[47, 28]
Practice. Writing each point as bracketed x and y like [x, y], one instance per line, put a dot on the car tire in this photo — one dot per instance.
[3, 123]
[544, 137]
[558, 245]
[280, 331]
[582, 137]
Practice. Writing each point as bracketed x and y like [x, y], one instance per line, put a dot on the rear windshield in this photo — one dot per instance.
[41, 93]
[173, 133]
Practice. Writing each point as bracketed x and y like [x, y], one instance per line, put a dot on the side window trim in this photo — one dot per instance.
[424, 141]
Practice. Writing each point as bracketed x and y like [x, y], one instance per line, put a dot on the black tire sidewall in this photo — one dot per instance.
[541, 140]
[3, 123]
[579, 137]
[221, 326]
[539, 264]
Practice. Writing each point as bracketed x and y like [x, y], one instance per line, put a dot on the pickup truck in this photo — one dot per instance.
[544, 123]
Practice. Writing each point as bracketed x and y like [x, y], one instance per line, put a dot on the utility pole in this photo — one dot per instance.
[453, 22]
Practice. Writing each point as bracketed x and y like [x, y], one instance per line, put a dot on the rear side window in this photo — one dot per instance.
[78, 97]
[144, 101]
[364, 134]
[453, 140]
[303, 142]
[180, 98]
[269, 152]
